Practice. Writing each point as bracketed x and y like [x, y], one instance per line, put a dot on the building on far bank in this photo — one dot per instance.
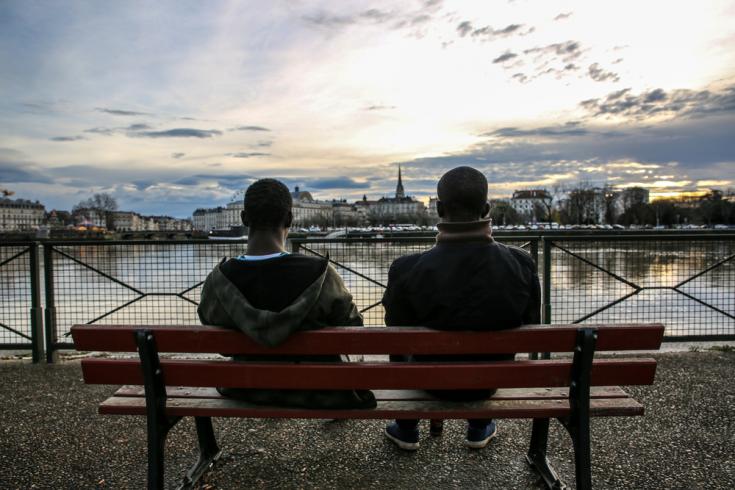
[532, 204]
[20, 214]
[307, 210]
[400, 207]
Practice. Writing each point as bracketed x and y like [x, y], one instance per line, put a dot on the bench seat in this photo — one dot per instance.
[392, 404]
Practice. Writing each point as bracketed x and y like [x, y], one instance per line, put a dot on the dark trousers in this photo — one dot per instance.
[412, 424]
[453, 395]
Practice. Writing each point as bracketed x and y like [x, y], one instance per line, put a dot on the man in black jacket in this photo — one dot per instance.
[467, 281]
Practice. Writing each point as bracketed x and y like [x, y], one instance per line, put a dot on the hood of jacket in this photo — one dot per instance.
[222, 303]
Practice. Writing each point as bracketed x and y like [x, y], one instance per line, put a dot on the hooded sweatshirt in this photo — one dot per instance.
[268, 300]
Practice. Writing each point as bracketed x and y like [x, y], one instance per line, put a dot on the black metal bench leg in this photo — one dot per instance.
[209, 452]
[578, 422]
[536, 456]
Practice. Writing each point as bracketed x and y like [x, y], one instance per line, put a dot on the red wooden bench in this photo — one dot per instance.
[570, 390]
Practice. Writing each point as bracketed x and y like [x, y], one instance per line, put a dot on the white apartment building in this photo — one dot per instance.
[20, 214]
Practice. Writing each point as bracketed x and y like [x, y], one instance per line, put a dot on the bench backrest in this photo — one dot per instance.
[366, 375]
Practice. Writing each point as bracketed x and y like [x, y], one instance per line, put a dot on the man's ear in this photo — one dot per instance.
[289, 220]
[485, 210]
[244, 218]
[440, 208]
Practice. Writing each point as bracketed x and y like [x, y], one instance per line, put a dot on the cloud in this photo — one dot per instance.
[98, 130]
[248, 155]
[488, 33]
[67, 138]
[14, 171]
[563, 16]
[177, 155]
[261, 144]
[337, 183]
[119, 112]
[598, 74]
[658, 102]
[138, 127]
[505, 57]
[249, 128]
[568, 50]
[380, 107]
[178, 133]
[567, 130]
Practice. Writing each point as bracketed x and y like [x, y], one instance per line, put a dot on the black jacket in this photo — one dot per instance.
[463, 286]
[466, 282]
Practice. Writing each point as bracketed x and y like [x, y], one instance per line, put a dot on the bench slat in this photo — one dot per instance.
[502, 394]
[376, 340]
[385, 410]
[504, 374]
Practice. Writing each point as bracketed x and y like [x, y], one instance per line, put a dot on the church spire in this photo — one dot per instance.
[399, 188]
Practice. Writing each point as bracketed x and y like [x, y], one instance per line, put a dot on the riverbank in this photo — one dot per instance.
[53, 438]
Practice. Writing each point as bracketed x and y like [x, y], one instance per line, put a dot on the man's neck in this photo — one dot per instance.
[266, 242]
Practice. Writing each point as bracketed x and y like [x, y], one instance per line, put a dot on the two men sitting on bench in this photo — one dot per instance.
[466, 282]
[269, 294]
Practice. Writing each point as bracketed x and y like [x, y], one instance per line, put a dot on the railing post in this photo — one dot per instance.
[295, 246]
[546, 295]
[50, 323]
[534, 251]
[37, 339]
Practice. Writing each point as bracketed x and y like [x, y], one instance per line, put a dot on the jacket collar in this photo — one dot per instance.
[465, 231]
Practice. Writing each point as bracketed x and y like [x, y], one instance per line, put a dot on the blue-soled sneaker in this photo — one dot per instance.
[404, 439]
[477, 438]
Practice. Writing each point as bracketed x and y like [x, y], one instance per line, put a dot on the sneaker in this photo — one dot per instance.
[477, 438]
[404, 439]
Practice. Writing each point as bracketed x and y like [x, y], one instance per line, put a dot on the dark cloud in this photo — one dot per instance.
[505, 57]
[119, 112]
[261, 144]
[322, 19]
[568, 51]
[521, 77]
[598, 74]
[248, 155]
[337, 183]
[488, 33]
[104, 131]
[681, 102]
[228, 181]
[138, 127]
[563, 16]
[67, 138]
[249, 128]
[695, 148]
[567, 130]
[177, 155]
[464, 28]
[380, 107]
[16, 171]
[177, 133]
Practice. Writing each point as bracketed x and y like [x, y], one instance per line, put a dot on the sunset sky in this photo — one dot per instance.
[170, 106]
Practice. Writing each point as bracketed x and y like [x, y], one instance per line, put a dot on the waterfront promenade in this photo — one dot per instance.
[52, 437]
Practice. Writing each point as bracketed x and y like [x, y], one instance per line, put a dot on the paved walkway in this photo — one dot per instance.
[52, 437]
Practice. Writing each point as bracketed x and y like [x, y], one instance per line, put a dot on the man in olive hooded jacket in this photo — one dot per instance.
[268, 294]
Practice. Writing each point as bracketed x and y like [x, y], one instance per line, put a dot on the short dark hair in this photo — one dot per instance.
[463, 190]
[267, 204]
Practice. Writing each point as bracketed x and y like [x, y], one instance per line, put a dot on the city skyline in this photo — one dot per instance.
[175, 106]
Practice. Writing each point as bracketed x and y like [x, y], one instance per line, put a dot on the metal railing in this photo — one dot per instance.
[125, 282]
[21, 324]
[686, 281]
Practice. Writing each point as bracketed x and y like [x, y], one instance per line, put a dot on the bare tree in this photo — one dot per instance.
[104, 205]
